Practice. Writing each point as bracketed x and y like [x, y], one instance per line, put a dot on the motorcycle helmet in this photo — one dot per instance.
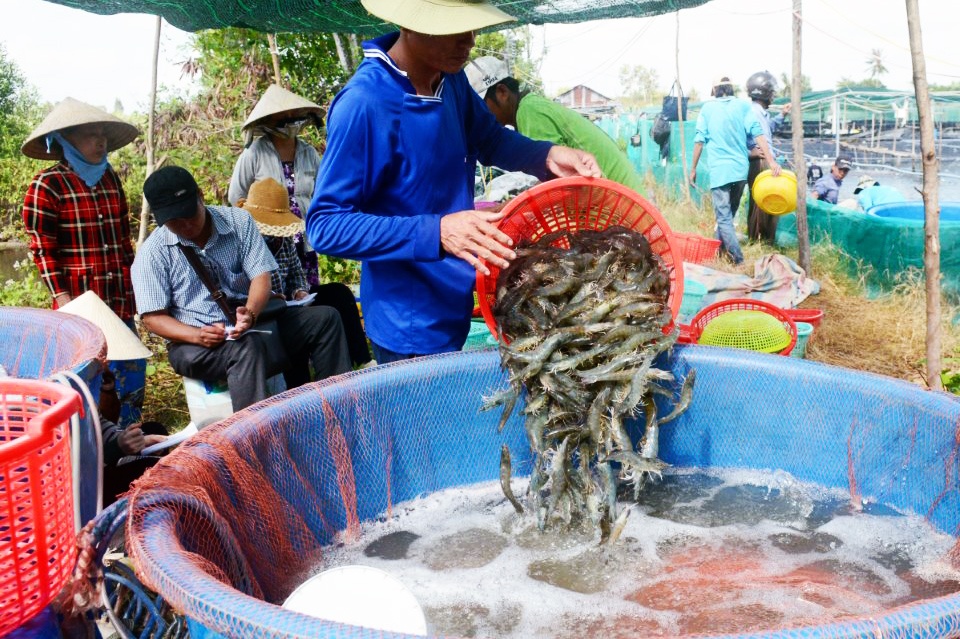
[762, 86]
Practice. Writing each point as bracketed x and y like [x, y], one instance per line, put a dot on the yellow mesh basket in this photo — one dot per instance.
[746, 324]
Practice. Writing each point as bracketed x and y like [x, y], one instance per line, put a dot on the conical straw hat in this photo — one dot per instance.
[275, 100]
[122, 343]
[438, 17]
[70, 113]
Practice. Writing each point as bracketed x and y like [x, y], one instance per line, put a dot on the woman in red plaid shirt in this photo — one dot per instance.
[75, 212]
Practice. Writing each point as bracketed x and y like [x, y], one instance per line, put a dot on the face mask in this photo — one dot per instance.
[288, 130]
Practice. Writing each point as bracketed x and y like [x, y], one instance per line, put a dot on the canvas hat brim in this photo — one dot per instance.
[275, 100]
[438, 17]
[71, 112]
[122, 343]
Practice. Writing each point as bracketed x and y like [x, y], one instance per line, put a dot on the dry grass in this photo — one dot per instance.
[884, 335]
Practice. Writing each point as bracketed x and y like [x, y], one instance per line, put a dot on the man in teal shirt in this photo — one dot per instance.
[541, 119]
[870, 193]
[722, 127]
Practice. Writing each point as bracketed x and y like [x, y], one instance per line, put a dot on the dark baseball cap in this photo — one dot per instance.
[844, 162]
[171, 193]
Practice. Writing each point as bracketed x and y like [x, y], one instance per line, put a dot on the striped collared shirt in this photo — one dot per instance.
[234, 255]
[80, 235]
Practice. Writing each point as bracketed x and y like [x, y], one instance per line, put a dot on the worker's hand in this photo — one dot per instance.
[473, 236]
[786, 108]
[693, 177]
[774, 168]
[245, 320]
[299, 295]
[131, 440]
[63, 298]
[212, 335]
[563, 161]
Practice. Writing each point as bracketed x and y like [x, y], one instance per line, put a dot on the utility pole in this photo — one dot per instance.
[796, 124]
[144, 208]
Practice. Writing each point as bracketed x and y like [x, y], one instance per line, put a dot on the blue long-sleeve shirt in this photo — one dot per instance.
[395, 163]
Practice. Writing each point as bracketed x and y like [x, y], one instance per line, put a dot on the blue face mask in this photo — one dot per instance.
[89, 173]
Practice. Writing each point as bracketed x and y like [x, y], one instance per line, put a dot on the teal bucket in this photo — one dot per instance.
[804, 331]
[693, 293]
[477, 337]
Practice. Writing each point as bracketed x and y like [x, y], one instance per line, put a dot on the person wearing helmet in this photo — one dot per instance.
[761, 87]
[541, 119]
[395, 185]
[722, 127]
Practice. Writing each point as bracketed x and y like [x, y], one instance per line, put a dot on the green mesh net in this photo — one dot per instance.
[349, 16]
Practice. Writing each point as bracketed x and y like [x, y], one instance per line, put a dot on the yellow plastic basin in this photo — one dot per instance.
[776, 195]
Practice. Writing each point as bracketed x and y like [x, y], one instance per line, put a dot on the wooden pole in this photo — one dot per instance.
[683, 140]
[796, 123]
[144, 209]
[275, 56]
[931, 202]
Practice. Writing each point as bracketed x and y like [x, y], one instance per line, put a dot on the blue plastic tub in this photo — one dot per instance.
[949, 211]
[330, 455]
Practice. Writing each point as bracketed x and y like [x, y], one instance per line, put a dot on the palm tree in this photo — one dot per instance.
[875, 64]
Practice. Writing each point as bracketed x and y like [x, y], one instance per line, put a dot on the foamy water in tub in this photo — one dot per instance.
[705, 551]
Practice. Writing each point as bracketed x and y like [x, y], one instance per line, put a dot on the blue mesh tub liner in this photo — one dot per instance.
[230, 523]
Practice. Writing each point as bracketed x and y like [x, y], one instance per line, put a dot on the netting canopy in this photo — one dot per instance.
[349, 16]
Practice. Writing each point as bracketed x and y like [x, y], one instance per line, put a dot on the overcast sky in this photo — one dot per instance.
[98, 59]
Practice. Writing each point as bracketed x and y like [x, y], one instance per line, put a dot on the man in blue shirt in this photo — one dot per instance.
[870, 193]
[827, 188]
[174, 302]
[722, 127]
[395, 186]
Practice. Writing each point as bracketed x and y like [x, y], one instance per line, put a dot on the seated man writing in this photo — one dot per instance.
[210, 324]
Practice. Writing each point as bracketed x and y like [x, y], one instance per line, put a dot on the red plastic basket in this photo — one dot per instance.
[697, 249]
[37, 538]
[701, 319]
[578, 203]
[811, 316]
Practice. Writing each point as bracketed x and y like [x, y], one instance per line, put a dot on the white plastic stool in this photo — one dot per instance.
[210, 401]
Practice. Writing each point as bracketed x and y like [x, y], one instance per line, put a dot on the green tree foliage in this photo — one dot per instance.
[639, 86]
[235, 68]
[866, 83]
[875, 65]
[786, 84]
[20, 111]
[513, 45]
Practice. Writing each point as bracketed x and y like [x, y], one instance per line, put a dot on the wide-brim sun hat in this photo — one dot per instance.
[438, 17]
[70, 113]
[276, 100]
[268, 203]
[122, 343]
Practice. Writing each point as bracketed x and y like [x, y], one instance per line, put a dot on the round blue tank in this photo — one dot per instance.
[230, 523]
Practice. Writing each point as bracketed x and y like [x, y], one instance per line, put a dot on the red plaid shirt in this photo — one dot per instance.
[80, 236]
